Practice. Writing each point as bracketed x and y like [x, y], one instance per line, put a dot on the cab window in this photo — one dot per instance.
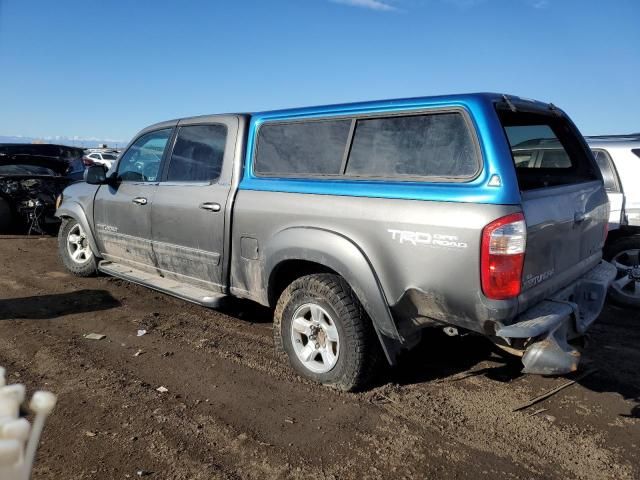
[141, 162]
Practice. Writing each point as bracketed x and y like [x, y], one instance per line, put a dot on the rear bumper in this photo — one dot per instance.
[552, 323]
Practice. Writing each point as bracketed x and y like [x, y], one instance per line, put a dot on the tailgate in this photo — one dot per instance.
[565, 232]
[563, 198]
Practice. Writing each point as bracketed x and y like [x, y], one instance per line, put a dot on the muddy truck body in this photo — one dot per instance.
[361, 225]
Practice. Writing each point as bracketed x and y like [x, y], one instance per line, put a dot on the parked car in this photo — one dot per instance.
[100, 158]
[619, 159]
[32, 176]
[360, 225]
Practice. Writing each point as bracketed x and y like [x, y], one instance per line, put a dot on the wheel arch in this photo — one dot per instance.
[298, 251]
[289, 270]
[75, 211]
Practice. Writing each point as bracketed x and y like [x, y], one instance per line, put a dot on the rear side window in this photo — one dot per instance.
[608, 172]
[434, 145]
[198, 153]
[546, 150]
[302, 148]
[636, 151]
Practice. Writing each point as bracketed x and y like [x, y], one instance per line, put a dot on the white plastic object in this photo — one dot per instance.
[10, 454]
[18, 438]
[16, 430]
[42, 402]
[11, 397]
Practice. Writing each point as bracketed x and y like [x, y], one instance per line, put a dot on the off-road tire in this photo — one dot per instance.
[360, 355]
[88, 269]
[631, 242]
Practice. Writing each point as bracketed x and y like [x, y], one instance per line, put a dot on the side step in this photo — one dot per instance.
[190, 293]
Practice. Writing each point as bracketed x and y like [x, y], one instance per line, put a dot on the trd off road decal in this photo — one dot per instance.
[429, 239]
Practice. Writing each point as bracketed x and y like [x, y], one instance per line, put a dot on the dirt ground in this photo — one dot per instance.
[233, 411]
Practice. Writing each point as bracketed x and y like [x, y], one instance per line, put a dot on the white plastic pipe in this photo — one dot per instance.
[18, 438]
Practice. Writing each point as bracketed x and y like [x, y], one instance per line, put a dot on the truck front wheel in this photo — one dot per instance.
[326, 334]
[74, 249]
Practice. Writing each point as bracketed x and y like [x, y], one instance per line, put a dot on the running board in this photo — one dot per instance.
[190, 293]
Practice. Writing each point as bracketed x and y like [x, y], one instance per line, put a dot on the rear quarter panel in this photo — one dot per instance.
[425, 254]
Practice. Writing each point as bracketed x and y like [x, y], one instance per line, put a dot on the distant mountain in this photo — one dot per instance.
[73, 141]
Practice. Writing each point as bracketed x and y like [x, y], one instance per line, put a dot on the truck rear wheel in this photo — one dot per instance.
[326, 334]
[624, 254]
[74, 249]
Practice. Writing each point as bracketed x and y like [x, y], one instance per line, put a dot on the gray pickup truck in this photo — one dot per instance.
[361, 225]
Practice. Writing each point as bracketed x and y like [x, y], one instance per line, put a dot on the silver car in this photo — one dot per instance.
[619, 160]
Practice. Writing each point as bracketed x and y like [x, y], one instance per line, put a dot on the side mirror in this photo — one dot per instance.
[95, 175]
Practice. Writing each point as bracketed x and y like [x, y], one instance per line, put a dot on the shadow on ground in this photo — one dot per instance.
[613, 352]
[439, 356]
[43, 307]
[245, 310]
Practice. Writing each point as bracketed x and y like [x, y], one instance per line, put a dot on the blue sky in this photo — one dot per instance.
[91, 68]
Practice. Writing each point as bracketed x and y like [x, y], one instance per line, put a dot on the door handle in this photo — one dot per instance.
[140, 200]
[211, 206]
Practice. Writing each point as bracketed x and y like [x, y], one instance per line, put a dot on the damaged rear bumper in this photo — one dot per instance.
[552, 323]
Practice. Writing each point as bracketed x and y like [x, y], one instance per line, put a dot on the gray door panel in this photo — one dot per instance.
[123, 227]
[122, 211]
[188, 239]
[188, 217]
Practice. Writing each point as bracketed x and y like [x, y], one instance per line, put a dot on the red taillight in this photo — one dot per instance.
[87, 162]
[503, 244]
